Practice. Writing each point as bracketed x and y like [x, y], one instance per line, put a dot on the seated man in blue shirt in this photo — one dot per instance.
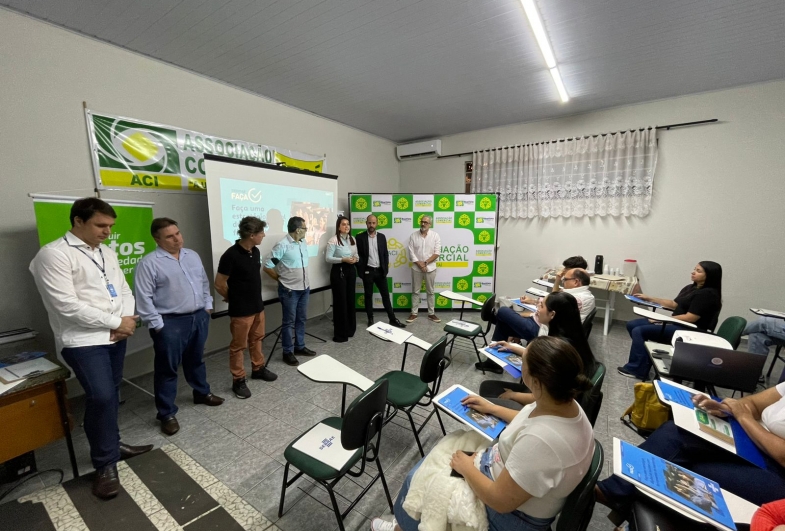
[173, 298]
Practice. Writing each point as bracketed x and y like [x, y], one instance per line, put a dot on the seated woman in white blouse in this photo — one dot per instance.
[342, 254]
[541, 456]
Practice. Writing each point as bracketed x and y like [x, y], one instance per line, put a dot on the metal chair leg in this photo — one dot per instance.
[384, 483]
[414, 431]
[335, 507]
[283, 490]
[439, 418]
[774, 360]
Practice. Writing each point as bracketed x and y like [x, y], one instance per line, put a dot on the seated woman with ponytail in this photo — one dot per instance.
[558, 316]
[542, 455]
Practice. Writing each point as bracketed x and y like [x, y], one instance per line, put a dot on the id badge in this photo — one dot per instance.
[111, 290]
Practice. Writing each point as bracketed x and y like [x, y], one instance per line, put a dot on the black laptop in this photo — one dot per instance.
[731, 369]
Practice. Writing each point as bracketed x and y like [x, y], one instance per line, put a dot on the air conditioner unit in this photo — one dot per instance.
[427, 148]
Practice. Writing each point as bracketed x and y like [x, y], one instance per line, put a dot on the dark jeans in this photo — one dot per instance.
[375, 276]
[100, 371]
[693, 453]
[181, 340]
[509, 323]
[294, 305]
[641, 330]
[342, 278]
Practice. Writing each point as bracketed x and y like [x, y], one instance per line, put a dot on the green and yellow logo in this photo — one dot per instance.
[459, 203]
[402, 203]
[377, 203]
[442, 302]
[398, 285]
[384, 221]
[444, 203]
[484, 236]
[361, 300]
[464, 220]
[402, 300]
[482, 298]
[478, 284]
[485, 203]
[395, 248]
[463, 285]
[360, 204]
[483, 269]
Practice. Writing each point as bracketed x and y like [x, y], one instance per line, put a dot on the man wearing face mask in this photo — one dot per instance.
[288, 265]
[173, 298]
[424, 249]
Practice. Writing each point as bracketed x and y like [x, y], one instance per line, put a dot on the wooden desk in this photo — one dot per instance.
[34, 414]
[326, 369]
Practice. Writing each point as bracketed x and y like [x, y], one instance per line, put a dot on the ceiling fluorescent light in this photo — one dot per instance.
[539, 32]
[559, 85]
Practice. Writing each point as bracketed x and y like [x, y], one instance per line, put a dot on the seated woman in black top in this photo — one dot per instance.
[698, 303]
[558, 316]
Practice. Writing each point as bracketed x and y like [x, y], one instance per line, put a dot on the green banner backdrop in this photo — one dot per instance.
[130, 238]
[467, 226]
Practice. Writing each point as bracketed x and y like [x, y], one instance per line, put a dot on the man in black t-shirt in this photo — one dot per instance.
[239, 281]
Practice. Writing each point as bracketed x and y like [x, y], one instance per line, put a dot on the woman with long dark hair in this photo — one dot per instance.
[342, 254]
[698, 303]
[558, 316]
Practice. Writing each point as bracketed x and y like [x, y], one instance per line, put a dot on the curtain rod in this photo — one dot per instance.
[666, 127]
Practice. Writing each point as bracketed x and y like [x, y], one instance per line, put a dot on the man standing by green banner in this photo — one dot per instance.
[91, 312]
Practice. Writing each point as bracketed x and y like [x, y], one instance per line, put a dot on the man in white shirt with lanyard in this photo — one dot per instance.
[91, 312]
[425, 246]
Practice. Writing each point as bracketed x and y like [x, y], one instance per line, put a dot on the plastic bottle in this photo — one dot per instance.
[606, 270]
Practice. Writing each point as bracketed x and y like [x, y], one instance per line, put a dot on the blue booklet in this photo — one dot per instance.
[450, 401]
[20, 357]
[511, 362]
[694, 493]
[642, 302]
[674, 394]
[519, 302]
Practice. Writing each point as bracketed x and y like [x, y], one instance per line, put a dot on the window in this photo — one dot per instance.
[467, 180]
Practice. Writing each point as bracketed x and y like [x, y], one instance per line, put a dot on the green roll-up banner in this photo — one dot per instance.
[467, 226]
[130, 238]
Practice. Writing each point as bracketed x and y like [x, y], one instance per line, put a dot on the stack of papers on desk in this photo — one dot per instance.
[389, 332]
[636, 300]
[27, 369]
[541, 282]
[323, 443]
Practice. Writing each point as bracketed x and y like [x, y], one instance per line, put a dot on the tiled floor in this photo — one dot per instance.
[242, 441]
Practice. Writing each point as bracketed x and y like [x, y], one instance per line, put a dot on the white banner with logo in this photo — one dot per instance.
[130, 154]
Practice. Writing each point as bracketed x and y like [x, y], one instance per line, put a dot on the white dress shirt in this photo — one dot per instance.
[421, 248]
[82, 311]
[373, 251]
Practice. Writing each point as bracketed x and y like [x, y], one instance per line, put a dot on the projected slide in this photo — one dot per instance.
[275, 204]
[273, 194]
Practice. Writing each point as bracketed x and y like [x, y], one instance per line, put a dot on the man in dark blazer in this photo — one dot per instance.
[372, 269]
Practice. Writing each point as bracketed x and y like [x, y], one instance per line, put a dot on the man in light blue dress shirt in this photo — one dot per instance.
[173, 298]
[288, 265]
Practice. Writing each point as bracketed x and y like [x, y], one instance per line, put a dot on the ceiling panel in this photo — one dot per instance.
[409, 69]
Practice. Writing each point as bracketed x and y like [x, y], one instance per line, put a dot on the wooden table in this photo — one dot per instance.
[34, 414]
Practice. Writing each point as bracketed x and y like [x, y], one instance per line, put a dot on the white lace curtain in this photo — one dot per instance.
[591, 176]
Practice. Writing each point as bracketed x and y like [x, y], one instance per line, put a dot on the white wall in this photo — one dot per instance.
[46, 74]
[719, 194]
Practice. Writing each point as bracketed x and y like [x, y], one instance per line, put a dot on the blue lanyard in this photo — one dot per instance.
[101, 267]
